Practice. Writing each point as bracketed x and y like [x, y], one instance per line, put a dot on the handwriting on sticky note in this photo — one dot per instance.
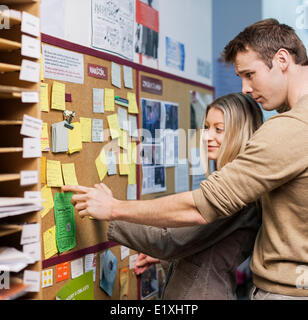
[54, 174]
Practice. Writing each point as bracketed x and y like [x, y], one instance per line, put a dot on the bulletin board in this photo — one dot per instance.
[91, 235]
[177, 91]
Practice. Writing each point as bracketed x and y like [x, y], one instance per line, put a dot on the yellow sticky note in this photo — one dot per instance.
[47, 200]
[45, 138]
[86, 129]
[132, 152]
[132, 174]
[50, 244]
[123, 141]
[44, 105]
[58, 96]
[74, 138]
[132, 102]
[101, 165]
[123, 164]
[69, 174]
[114, 126]
[109, 99]
[43, 170]
[42, 69]
[54, 174]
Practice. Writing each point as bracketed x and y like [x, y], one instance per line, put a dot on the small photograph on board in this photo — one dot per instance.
[108, 273]
[151, 116]
[172, 118]
[198, 105]
[160, 181]
[149, 283]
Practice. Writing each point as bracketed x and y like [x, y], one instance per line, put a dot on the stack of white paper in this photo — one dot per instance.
[59, 141]
[13, 260]
[13, 206]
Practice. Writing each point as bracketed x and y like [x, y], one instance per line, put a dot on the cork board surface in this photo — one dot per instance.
[88, 232]
[177, 92]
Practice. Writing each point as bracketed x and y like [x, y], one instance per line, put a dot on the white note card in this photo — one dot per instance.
[31, 148]
[30, 233]
[33, 250]
[124, 252]
[77, 268]
[33, 195]
[128, 77]
[30, 24]
[30, 71]
[30, 47]
[29, 97]
[31, 127]
[32, 278]
[131, 193]
[28, 177]
[90, 264]
[132, 260]
[116, 75]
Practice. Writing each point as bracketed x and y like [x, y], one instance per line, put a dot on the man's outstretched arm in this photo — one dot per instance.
[177, 210]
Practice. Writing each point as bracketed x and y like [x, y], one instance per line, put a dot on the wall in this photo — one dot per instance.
[185, 21]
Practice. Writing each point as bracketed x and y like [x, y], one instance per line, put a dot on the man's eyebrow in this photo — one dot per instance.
[239, 72]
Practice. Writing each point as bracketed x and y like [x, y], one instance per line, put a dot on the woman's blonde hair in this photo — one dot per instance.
[243, 117]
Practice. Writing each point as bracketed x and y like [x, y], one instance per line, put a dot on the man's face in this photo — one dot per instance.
[267, 86]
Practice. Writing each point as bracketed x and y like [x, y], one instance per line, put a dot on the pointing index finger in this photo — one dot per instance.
[76, 189]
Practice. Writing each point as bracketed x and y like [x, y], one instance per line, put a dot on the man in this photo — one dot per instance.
[272, 63]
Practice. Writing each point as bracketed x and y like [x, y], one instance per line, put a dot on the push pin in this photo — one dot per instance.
[68, 117]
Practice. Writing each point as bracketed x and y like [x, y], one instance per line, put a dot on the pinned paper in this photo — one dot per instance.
[30, 233]
[131, 192]
[108, 274]
[33, 250]
[59, 137]
[123, 122]
[30, 71]
[132, 103]
[132, 174]
[101, 165]
[97, 130]
[43, 170]
[132, 152]
[62, 271]
[128, 77]
[116, 75]
[86, 129]
[47, 278]
[90, 264]
[32, 148]
[69, 174]
[132, 126]
[28, 177]
[47, 200]
[32, 278]
[58, 96]
[65, 221]
[123, 141]
[111, 163]
[124, 283]
[31, 127]
[50, 245]
[44, 104]
[74, 138]
[30, 24]
[54, 174]
[124, 252]
[77, 268]
[98, 100]
[123, 164]
[114, 127]
[109, 99]
[30, 47]
[45, 138]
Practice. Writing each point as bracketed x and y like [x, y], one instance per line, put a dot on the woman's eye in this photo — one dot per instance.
[206, 128]
[219, 130]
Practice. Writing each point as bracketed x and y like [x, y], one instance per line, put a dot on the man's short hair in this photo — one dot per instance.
[266, 37]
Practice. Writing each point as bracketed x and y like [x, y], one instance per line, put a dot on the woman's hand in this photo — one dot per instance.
[143, 262]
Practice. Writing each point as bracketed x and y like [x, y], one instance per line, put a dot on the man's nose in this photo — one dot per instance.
[246, 88]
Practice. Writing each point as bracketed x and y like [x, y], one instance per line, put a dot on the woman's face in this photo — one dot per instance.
[214, 132]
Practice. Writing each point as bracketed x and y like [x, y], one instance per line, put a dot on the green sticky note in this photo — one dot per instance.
[80, 288]
[65, 221]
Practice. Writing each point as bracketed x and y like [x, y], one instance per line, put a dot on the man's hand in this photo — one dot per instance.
[95, 202]
[143, 263]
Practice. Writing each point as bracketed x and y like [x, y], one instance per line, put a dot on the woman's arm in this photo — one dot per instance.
[174, 243]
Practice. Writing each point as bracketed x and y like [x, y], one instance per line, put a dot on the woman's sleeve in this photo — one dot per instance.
[174, 243]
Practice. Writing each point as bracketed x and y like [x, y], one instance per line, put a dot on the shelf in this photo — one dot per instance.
[13, 15]
[18, 1]
[10, 122]
[7, 229]
[9, 45]
[5, 67]
[9, 92]
[11, 149]
[17, 289]
[9, 177]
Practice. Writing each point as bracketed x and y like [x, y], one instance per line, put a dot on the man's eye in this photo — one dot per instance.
[249, 75]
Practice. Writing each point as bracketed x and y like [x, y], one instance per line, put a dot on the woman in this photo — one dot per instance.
[204, 258]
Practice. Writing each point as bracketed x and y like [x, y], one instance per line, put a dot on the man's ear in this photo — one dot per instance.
[283, 59]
